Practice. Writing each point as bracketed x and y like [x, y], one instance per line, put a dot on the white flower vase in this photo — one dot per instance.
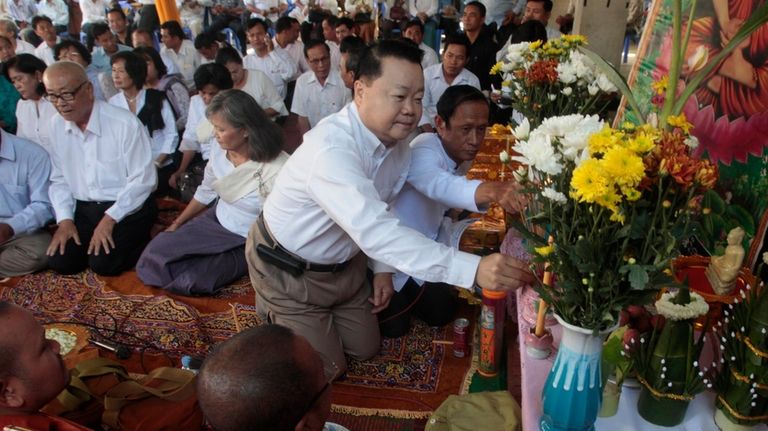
[573, 391]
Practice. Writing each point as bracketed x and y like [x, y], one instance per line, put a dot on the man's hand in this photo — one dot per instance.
[6, 232]
[64, 233]
[173, 180]
[102, 236]
[383, 289]
[500, 272]
[507, 194]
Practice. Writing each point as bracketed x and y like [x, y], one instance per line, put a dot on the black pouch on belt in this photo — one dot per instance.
[280, 259]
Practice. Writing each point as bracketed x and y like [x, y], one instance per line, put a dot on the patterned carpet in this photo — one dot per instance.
[395, 390]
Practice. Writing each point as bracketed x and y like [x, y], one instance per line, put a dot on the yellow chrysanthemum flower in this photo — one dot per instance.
[623, 166]
[575, 39]
[534, 45]
[589, 182]
[641, 143]
[496, 68]
[603, 140]
[618, 217]
[631, 194]
[680, 121]
[660, 86]
[544, 251]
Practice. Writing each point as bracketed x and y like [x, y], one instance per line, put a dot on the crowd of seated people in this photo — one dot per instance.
[103, 132]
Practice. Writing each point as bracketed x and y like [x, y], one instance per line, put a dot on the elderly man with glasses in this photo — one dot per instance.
[101, 179]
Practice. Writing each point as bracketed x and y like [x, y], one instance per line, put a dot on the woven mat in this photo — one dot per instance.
[408, 380]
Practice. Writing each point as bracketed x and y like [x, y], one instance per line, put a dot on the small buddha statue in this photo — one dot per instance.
[722, 270]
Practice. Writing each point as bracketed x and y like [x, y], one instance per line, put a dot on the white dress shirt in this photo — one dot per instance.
[264, 6]
[335, 54]
[24, 47]
[428, 7]
[45, 52]
[33, 121]
[260, 87]
[93, 11]
[190, 140]
[165, 140]
[434, 87]
[237, 217]
[435, 184]
[332, 198]
[430, 57]
[56, 10]
[186, 61]
[295, 50]
[277, 65]
[21, 10]
[315, 101]
[24, 172]
[110, 161]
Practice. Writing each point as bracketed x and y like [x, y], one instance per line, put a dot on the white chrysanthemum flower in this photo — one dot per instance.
[567, 91]
[507, 67]
[697, 307]
[539, 153]
[566, 73]
[504, 156]
[552, 97]
[582, 65]
[554, 195]
[692, 142]
[523, 130]
[605, 84]
[520, 174]
[592, 89]
[765, 258]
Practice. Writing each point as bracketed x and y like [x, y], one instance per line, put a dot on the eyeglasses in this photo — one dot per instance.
[66, 96]
[319, 60]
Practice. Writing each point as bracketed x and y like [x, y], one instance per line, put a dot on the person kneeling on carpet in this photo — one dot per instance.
[435, 184]
[267, 378]
[197, 255]
[32, 372]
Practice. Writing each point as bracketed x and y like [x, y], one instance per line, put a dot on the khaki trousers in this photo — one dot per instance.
[24, 254]
[331, 310]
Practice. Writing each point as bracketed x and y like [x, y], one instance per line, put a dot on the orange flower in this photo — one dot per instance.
[543, 72]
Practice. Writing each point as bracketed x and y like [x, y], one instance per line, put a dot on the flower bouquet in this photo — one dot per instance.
[541, 80]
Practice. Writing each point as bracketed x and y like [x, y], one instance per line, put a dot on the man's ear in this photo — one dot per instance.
[440, 124]
[9, 395]
[359, 86]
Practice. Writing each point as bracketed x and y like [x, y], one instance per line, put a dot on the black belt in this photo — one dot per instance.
[85, 204]
[307, 266]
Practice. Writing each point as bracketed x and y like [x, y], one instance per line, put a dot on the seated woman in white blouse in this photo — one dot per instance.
[198, 134]
[172, 84]
[204, 248]
[33, 112]
[129, 71]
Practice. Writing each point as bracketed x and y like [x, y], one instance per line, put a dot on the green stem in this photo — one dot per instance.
[688, 29]
[674, 67]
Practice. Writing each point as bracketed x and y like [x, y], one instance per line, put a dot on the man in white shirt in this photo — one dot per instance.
[43, 27]
[57, 11]
[93, 11]
[119, 25]
[254, 82]
[207, 46]
[330, 208]
[540, 10]
[425, 11]
[101, 180]
[21, 11]
[272, 60]
[287, 38]
[329, 34]
[321, 92]
[414, 30]
[180, 50]
[24, 206]
[141, 37]
[436, 183]
[106, 46]
[268, 10]
[443, 75]
[10, 31]
[351, 48]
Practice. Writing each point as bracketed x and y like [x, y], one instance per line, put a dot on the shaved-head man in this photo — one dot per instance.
[101, 179]
[266, 378]
[32, 373]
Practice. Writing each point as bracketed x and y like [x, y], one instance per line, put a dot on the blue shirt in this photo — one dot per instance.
[101, 61]
[24, 171]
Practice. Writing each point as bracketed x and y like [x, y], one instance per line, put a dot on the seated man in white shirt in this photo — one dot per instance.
[10, 30]
[414, 30]
[351, 48]
[57, 11]
[443, 75]
[101, 180]
[266, 378]
[106, 47]
[330, 208]
[266, 57]
[321, 92]
[141, 37]
[207, 46]
[254, 82]
[24, 206]
[540, 10]
[180, 50]
[436, 183]
[43, 27]
[287, 38]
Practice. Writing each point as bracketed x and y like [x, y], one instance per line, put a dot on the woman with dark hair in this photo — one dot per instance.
[33, 112]
[74, 51]
[129, 71]
[198, 254]
[198, 134]
[171, 84]
[8, 94]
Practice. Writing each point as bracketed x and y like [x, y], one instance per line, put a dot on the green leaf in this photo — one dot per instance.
[616, 79]
[742, 217]
[638, 277]
[713, 201]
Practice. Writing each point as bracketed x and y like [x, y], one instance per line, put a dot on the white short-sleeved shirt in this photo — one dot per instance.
[191, 138]
[186, 61]
[56, 10]
[315, 101]
[165, 140]
[24, 47]
[45, 52]
[331, 200]
[277, 65]
[295, 50]
[430, 57]
[110, 161]
[434, 87]
[33, 119]
[93, 11]
[260, 87]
